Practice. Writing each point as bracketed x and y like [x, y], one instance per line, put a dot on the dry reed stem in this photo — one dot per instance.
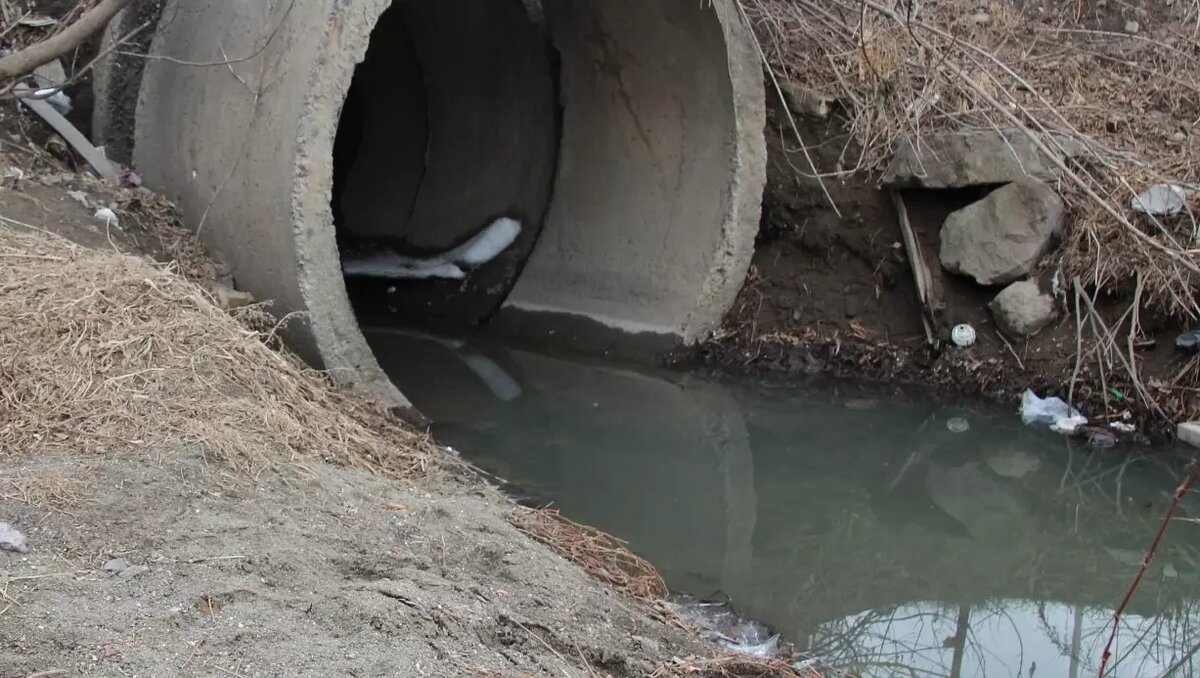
[102, 352]
[600, 554]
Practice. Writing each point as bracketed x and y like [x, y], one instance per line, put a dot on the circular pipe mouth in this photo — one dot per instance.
[625, 136]
[617, 133]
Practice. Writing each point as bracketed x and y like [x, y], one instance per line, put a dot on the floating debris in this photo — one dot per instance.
[1035, 410]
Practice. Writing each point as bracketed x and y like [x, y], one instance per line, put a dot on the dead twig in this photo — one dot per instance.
[25, 61]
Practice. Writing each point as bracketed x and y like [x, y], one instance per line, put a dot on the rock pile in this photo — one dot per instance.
[998, 240]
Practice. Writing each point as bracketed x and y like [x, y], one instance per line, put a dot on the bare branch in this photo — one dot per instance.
[25, 61]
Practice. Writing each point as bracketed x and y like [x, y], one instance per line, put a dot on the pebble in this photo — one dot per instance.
[12, 540]
[133, 571]
[115, 566]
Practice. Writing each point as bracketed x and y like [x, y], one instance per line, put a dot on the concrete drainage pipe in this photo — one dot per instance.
[625, 135]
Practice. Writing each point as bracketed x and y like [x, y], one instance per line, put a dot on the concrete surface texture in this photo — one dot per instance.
[650, 195]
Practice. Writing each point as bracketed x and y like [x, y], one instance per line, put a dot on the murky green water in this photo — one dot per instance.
[862, 527]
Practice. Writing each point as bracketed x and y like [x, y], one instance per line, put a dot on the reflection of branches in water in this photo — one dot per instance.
[934, 640]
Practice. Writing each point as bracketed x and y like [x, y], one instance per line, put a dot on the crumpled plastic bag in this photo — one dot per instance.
[12, 540]
[1035, 410]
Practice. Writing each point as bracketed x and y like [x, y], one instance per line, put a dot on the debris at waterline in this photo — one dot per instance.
[921, 104]
[599, 554]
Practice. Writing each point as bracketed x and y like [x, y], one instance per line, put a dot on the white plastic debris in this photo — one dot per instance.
[1068, 425]
[958, 425]
[37, 21]
[1035, 410]
[12, 540]
[1161, 200]
[485, 245]
[14, 173]
[480, 249]
[55, 97]
[107, 217]
[80, 197]
[767, 648]
[963, 335]
[396, 266]
[1122, 427]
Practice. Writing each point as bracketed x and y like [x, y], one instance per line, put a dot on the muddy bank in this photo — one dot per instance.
[196, 503]
[312, 570]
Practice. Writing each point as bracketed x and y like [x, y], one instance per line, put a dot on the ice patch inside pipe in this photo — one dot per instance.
[480, 249]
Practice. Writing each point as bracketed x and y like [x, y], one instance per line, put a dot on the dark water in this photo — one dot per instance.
[860, 526]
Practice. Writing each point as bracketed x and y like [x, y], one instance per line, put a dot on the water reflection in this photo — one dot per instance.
[870, 530]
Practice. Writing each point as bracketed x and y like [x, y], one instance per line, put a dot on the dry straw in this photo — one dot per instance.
[102, 352]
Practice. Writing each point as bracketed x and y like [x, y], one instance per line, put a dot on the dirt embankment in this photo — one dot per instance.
[831, 288]
[197, 503]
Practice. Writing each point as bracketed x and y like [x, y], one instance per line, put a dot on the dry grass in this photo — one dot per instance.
[902, 71]
[103, 352]
[599, 554]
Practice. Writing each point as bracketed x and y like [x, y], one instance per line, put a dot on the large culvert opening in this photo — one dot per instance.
[620, 134]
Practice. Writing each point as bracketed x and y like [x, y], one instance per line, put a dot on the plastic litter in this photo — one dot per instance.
[1068, 425]
[12, 540]
[107, 217]
[1122, 427]
[718, 621]
[1188, 341]
[1100, 439]
[963, 335]
[480, 249]
[958, 425]
[1035, 410]
[1161, 200]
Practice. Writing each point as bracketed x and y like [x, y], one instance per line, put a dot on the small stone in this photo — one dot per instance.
[133, 571]
[12, 540]
[648, 645]
[1022, 309]
[228, 298]
[115, 566]
[1132, 27]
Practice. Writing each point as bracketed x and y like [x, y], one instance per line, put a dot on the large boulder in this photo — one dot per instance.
[1000, 238]
[960, 159]
[1022, 309]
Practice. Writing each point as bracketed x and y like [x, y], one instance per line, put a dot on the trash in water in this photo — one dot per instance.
[1100, 439]
[480, 249]
[1068, 425]
[1188, 341]
[1122, 427]
[12, 540]
[963, 335]
[1035, 410]
[958, 425]
[1161, 200]
[718, 621]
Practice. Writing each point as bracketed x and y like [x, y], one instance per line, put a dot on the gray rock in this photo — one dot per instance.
[1022, 309]
[115, 566]
[228, 298]
[12, 540]
[1000, 238]
[960, 159]
[648, 645]
[133, 571]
